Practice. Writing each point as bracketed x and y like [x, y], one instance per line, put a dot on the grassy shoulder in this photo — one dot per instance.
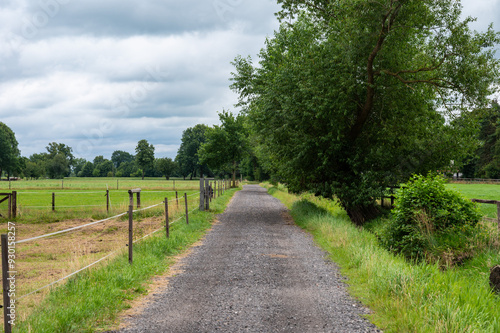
[404, 297]
[92, 300]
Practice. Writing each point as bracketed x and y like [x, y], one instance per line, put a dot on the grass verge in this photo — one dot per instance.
[92, 300]
[403, 297]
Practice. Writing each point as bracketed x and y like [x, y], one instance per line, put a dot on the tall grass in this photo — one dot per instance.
[404, 297]
[92, 300]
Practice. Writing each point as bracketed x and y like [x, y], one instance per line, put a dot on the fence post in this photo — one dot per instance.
[207, 194]
[53, 201]
[177, 199]
[202, 193]
[167, 226]
[117, 184]
[187, 213]
[138, 200]
[62, 184]
[5, 284]
[130, 232]
[174, 184]
[107, 201]
[14, 204]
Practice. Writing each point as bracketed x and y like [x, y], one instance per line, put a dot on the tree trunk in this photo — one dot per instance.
[0, 173]
[143, 174]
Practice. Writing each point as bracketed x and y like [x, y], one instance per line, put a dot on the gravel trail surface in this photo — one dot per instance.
[254, 272]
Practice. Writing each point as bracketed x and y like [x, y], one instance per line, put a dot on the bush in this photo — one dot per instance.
[431, 222]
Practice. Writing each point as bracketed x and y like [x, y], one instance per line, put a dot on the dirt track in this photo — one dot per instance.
[254, 272]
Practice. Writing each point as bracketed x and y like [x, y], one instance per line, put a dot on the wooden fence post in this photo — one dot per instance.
[138, 200]
[167, 226]
[177, 199]
[207, 194]
[5, 284]
[202, 194]
[53, 201]
[130, 232]
[187, 213]
[14, 204]
[107, 201]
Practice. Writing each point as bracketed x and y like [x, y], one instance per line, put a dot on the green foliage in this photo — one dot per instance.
[431, 222]
[402, 297]
[226, 144]
[166, 166]
[9, 152]
[353, 96]
[145, 155]
[187, 156]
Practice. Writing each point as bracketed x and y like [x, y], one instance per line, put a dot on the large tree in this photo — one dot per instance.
[226, 144]
[351, 96]
[9, 152]
[145, 155]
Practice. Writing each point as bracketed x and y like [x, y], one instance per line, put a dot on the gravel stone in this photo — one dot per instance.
[254, 272]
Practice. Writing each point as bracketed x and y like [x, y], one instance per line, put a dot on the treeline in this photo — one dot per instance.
[222, 151]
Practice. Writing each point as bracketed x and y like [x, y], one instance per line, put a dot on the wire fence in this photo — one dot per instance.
[55, 252]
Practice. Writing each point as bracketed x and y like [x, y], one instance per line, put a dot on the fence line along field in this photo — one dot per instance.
[98, 183]
[43, 261]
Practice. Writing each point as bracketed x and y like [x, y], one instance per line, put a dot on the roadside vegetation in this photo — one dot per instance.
[92, 300]
[405, 296]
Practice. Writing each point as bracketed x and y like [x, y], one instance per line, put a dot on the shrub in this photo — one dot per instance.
[431, 222]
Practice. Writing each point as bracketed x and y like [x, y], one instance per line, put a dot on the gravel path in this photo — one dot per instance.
[254, 272]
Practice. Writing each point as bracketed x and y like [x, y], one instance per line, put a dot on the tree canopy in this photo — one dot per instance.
[9, 152]
[145, 155]
[351, 96]
[187, 156]
[226, 144]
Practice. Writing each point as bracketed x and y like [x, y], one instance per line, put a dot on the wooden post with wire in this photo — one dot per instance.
[107, 201]
[187, 212]
[53, 201]
[167, 226]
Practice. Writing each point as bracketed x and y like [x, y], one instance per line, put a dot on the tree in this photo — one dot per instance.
[119, 156]
[187, 156]
[9, 152]
[145, 155]
[488, 161]
[78, 164]
[87, 170]
[357, 95]
[59, 160]
[166, 166]
[226, 144]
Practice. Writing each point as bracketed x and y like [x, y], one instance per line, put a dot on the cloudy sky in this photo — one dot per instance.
[100, 75]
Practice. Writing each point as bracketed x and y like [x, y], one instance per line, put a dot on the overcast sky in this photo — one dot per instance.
[100, 75]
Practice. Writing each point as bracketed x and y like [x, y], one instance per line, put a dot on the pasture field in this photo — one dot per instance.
[480, 191]
[82, 201]
[100, 183]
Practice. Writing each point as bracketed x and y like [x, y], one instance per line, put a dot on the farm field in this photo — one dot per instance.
[100, 183]
[480, 191]
[83, 201]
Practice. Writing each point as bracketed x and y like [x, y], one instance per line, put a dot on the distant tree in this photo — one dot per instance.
[126, 169]
[226, 144]
[9, 152]
[145, 155]
[58, 166]
[488, 162]
[166, 166]
[87, 170]
[120, 156]
[78, 164]
[187, 155]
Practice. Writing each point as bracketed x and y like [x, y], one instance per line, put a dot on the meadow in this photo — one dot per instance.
[480, 191]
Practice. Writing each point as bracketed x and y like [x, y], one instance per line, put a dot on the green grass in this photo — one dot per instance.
[92, 300]
[403, 297]
[480, 191]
